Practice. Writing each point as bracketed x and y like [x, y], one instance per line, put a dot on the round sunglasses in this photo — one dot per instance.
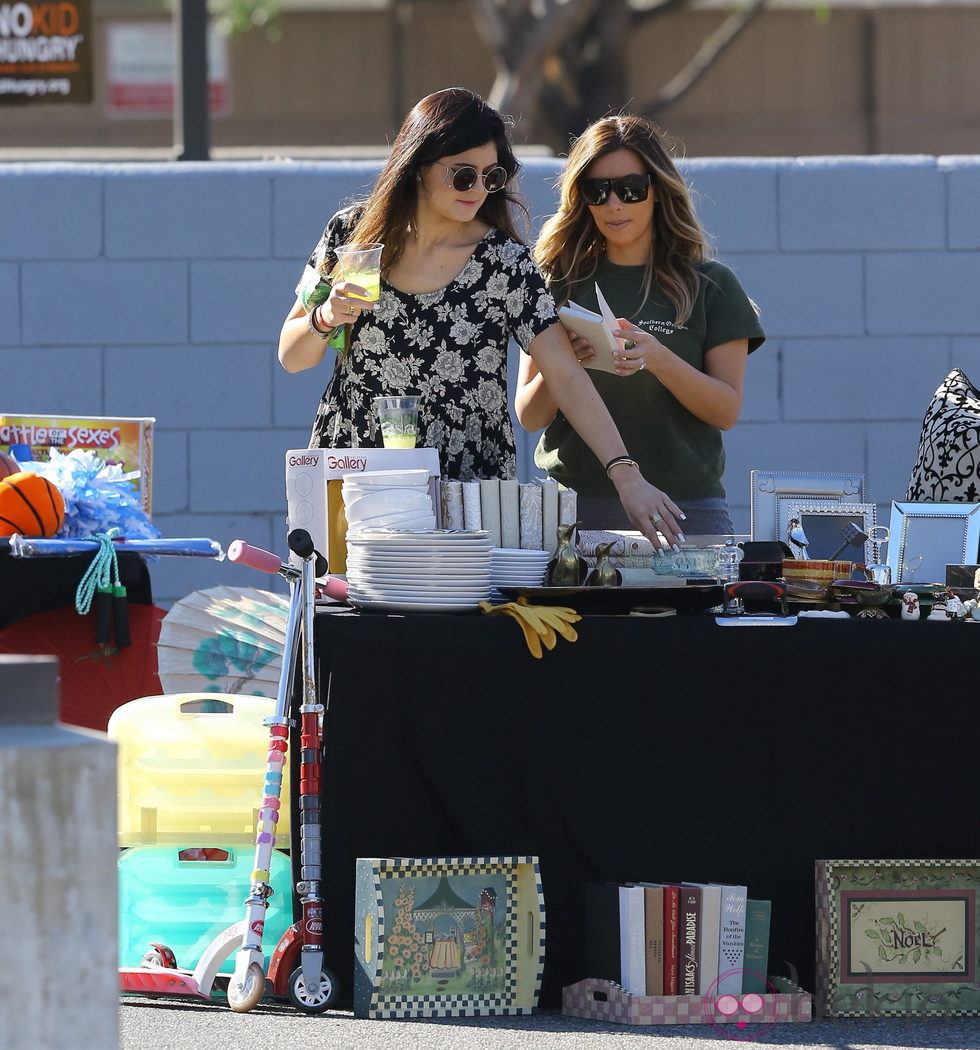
[630, 189]
[464, 178]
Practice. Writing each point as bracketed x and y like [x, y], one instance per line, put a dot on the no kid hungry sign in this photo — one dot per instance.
[45, 51]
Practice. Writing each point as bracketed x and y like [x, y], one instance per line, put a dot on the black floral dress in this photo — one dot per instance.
[449, 346]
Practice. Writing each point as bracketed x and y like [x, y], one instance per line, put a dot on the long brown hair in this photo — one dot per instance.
[442, 124]
[570, 245]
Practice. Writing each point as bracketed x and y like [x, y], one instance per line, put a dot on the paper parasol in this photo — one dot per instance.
[223, 640]
[91, 684]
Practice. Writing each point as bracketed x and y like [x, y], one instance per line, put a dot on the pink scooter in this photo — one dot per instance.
[296, 968]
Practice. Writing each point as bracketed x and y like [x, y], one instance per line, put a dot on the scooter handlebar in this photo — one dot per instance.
[243, 553]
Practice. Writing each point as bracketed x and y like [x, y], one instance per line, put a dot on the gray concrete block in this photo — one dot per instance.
[861, 379]
[830, 448]
[965, 354]
[807, 294]
[192, 386]
[927, 293]
[736, 201]
[862, 204]
[892, 448]
[50, 212]
[59, 848]
[295, 395]
[29, 693]
[251, 477]
[173, 577]
[72, 381]
[171, 472]
[99, 302]
[224, 212]
[10, 322]
[963, 190]
[241, 301]
[305, 196]
[761, 390]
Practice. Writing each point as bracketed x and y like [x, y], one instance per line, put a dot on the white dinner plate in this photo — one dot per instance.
[386, 501]
[398, 585]
[410, 605]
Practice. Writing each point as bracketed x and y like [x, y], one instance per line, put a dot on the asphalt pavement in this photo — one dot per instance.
[157, 1024]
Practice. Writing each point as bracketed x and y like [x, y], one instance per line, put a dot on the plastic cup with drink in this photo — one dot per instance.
[360, 264]
[399, 420]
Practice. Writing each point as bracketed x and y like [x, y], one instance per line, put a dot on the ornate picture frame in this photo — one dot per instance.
[768, 488]
[926, 537]
[823, 522]
[897, 938]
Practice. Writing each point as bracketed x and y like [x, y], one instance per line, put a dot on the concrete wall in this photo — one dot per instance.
[143, 289]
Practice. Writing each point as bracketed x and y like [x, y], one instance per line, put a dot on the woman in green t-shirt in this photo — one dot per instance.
[626, 223]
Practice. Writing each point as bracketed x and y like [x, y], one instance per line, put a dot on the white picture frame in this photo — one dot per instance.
[823, 522]
[769, 488]
[926, 537]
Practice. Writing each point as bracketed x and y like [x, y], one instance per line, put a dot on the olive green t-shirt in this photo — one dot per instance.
[676, 451]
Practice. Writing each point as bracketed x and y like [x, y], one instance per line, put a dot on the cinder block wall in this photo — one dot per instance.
[146, 289]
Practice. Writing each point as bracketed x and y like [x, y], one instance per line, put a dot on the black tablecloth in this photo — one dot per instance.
[649, 750]
[33, 585]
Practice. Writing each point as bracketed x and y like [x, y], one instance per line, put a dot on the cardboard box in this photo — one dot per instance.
[127, 441]
[315, 477]
[447, 937]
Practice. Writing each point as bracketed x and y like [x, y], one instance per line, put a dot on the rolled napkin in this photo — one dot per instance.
[451, 493]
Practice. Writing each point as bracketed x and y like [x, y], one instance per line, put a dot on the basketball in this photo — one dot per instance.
[30, 505]
[8, 465]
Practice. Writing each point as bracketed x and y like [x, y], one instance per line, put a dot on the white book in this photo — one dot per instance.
[490, 508]
[567, 506]
[710, 935]
[598, 328]
[510, 514]
[529, 496]
[472, 513]
[549, 514]
[632, 939]
[731, 940]
[451, 497]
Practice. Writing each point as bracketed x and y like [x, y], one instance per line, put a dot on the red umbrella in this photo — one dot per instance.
[92, 683]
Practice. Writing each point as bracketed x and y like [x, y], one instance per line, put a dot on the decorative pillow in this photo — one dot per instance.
[947, 467]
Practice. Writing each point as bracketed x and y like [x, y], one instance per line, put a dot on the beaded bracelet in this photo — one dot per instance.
[621, 460]
[315, 328]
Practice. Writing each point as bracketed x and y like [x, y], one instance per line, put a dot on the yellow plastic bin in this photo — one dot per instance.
[192, 768]
[185, 903]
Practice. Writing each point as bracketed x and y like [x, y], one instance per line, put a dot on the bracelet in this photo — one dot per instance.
[621, 461]
[315, 328]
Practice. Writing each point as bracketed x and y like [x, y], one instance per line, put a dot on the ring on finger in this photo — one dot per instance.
[656, 518]
[642, 364]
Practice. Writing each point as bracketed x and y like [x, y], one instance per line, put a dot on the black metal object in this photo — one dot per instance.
[192, 117]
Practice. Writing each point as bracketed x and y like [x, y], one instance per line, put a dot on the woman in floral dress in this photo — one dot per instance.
[457, 284]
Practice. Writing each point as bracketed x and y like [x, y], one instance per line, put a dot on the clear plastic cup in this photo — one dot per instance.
[361, 264]
[398, 418]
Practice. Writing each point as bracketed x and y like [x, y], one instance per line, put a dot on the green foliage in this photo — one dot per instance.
[236, 17]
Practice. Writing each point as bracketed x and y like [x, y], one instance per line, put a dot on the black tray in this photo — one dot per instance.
[690, 599]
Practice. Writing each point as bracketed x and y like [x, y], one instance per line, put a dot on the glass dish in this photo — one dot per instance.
[689, 562]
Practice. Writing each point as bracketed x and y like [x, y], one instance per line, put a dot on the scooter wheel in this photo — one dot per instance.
[242, 998]
[315, 1000]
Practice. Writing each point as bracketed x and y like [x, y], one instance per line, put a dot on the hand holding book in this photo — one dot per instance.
[599, 331]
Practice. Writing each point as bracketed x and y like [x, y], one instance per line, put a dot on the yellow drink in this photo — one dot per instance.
[369, 280]
[399, 440]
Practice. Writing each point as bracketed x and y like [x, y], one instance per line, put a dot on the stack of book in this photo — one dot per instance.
[516, 514]
[685, 938]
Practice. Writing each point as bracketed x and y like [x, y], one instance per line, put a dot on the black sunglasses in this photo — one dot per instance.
[464, 178]
[630, 189]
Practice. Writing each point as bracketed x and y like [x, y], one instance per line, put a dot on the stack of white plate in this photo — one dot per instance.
[512, 567]
[418, 570]
[380, 499]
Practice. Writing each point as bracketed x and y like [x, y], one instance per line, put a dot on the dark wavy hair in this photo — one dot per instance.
[442, 124]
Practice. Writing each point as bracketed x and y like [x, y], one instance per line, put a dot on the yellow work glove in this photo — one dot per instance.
[539, 623]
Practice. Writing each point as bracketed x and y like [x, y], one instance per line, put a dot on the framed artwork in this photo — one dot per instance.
[447, 936]
[768, 488]
[897, 937]
[833, 529]
[926, 537]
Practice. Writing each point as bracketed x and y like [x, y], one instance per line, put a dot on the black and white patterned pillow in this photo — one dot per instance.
[947, 467]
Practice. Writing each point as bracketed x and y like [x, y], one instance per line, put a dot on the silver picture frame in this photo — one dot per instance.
[769, 488]
[926, 537]
[823, 522]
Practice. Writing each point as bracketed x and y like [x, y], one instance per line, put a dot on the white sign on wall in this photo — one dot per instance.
[141, 70]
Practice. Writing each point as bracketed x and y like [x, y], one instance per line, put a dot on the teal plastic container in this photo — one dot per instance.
[184, 904]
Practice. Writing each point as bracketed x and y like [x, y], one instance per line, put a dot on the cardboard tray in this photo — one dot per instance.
[607, 1001]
